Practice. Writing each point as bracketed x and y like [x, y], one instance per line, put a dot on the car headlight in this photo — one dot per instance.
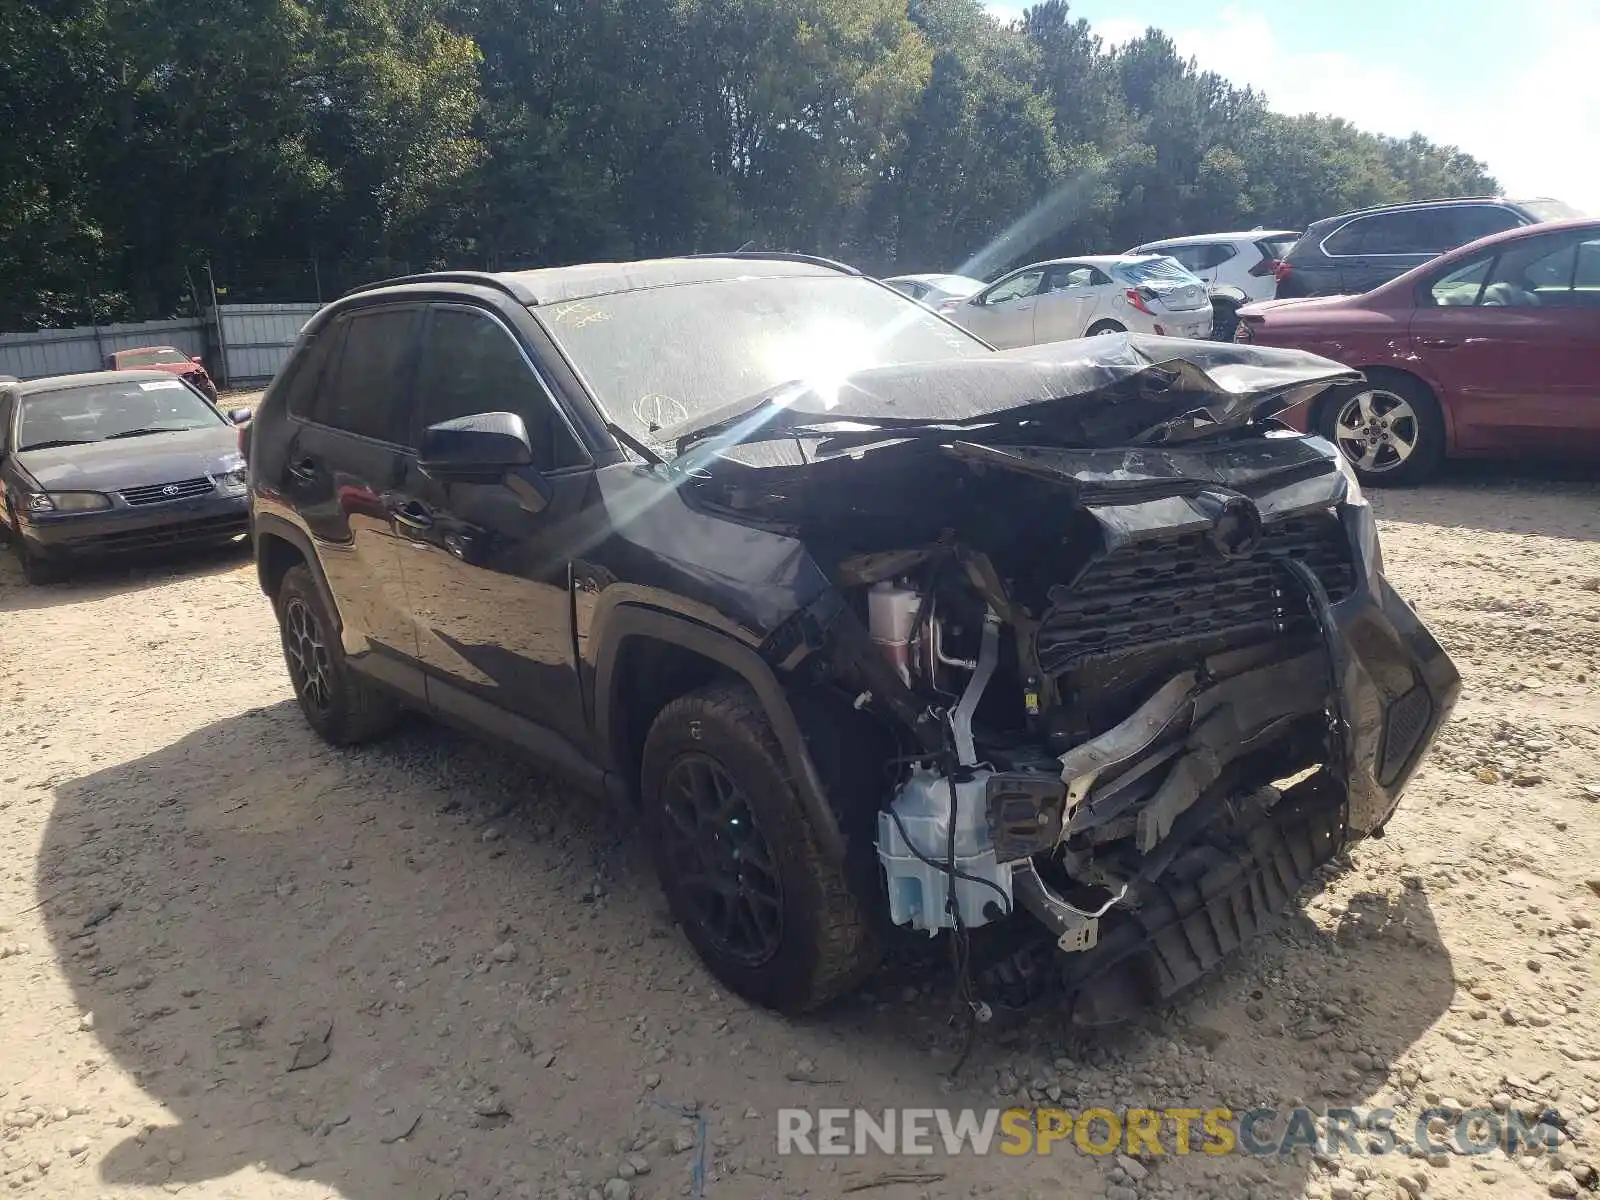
[69, 502]
[232, 483]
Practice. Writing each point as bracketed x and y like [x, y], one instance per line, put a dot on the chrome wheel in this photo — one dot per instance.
[726, 870]
[1377, 430]
[310, 668]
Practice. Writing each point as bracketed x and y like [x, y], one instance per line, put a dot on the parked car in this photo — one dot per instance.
[1493, 349]
[748, 541]
[935, 289]
[1357, 251]
[164, 358]
[1237, 267]
[114, 463]
[1079, 297]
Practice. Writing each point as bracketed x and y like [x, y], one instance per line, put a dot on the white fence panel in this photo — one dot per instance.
[257, 337]
[70, 351]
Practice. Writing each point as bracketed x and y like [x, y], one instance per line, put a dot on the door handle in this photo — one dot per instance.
[305, 469]
[413, 515]
[1438, 343]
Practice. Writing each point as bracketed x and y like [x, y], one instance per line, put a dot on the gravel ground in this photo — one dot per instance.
[236, 963]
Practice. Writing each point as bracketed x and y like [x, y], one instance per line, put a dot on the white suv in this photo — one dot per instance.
[1238, 267]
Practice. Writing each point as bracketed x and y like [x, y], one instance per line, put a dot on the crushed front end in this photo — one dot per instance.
[1131, 672]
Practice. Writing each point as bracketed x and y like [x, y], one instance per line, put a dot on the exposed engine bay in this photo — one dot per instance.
[1123, 641]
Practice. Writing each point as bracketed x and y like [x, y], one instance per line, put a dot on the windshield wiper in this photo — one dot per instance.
[145, 432]
[53, 443]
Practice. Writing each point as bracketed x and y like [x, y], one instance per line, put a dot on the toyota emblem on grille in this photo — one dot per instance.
[1235, 524]
[171, 489]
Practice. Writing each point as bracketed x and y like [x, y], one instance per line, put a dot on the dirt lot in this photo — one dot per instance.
[236, 963]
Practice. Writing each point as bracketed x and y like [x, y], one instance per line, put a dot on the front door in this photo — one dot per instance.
[1512, 340]
[342, 464]
[1003, 314]
[487, 569]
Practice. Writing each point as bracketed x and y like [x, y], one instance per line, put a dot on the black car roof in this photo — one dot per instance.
[1441, 202]
[558, 285]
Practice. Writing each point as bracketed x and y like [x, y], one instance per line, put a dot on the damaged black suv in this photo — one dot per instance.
[1074, 654]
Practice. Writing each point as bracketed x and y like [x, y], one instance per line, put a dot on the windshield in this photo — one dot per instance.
[660, 357]
[1553, 210]
[152, 357]
[1153, 270]
[101, 412]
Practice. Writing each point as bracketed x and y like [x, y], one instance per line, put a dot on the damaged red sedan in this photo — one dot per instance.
[1492, 349]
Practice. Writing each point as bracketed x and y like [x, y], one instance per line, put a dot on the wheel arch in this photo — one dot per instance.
[651, 657]
[280, 547]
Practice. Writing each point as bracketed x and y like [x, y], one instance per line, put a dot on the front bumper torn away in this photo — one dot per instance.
[1386, 686]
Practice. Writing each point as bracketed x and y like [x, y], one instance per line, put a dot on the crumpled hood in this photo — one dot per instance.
[1124, 389]
[134, 462]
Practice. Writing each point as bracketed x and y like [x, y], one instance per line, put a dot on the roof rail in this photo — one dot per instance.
[782, 256]
[479, 278]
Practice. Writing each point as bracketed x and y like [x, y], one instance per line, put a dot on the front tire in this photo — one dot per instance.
[37, 571]
[1389, 428]
[768, 913]
[343, 708]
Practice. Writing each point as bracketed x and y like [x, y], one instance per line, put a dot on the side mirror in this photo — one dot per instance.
[240, 416]
[480, 447]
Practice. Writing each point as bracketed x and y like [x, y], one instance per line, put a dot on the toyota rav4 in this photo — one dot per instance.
[1073, 655]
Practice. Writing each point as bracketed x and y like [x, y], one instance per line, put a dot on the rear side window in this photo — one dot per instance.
[1409, 232]
[365, 392]
[472, 364]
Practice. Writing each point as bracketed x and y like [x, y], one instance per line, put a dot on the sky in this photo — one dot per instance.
[1517, 85]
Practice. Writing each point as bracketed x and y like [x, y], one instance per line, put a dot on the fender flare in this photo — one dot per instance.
[628, 621]
[268, 525]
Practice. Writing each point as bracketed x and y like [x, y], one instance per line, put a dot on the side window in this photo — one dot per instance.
[471, 364]
[1401, 233]
[7, 407]
[1071, 277]
[365, 392]
[1020, 285]
[1349, 238]
[1470, 222]
[1544, 273]
[308, 368]
[1462, 286]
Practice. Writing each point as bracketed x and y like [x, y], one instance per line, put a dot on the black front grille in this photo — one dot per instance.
[205, 529]
[1180, 590]
[160, 493]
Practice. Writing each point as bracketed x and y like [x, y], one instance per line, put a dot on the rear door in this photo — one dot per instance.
[343, 462]
[1002, 315]
[1513, 339]
[1374, 249]
[1069, 298]
[487, 572]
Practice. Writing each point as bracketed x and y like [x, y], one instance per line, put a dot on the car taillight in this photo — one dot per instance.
[1139, 298]
[1281, 270]
[1242, 332]
[1269, 266]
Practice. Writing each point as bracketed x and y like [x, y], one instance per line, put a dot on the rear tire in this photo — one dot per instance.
[768, 913]
[1224, 321]
[341, 706]
[1102, 328]
[1389, 428]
